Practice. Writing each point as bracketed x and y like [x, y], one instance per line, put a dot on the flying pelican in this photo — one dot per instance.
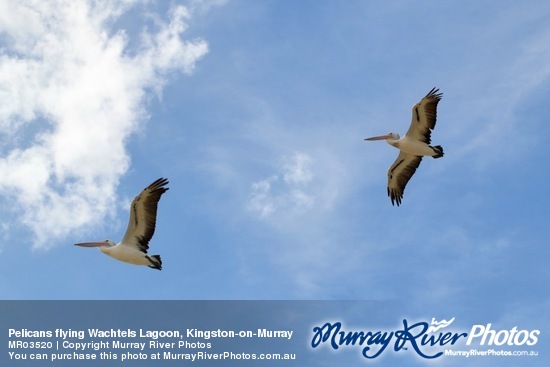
[413, 146]
[143, 215]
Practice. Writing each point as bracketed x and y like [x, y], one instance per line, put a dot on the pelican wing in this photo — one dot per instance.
[399, 175]
[424, 115]
[143, 215]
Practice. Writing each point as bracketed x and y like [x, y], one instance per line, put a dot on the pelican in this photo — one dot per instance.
[135, 243]
[413, 146]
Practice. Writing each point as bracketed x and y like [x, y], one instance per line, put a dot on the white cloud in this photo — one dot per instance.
[205, 5]
[261, 200]
[71, 96]
[290, 191]
[298, 170]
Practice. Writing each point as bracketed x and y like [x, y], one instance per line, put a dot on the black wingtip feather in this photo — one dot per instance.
[158, 184]
[433, 94]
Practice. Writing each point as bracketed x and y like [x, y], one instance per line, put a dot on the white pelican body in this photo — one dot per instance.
[409, 145]
[413, 146]
[127, 253]
[141, 227]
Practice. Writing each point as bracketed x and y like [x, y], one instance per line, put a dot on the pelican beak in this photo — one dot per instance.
[91, 244]
[382, 137]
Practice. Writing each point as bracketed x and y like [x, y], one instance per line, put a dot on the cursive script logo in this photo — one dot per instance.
[417, 336]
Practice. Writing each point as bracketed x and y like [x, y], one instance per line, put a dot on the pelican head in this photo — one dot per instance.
[106, 243]
[389, 136]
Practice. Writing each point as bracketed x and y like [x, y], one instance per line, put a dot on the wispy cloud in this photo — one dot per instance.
[72, 94]
[288, 190]
[511, 74]
[205, 5]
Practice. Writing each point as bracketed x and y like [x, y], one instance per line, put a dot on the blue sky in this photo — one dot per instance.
[256, 112]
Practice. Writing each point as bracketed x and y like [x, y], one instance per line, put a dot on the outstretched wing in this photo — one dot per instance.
[143, 215]
[424, 116]
[399, 175]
